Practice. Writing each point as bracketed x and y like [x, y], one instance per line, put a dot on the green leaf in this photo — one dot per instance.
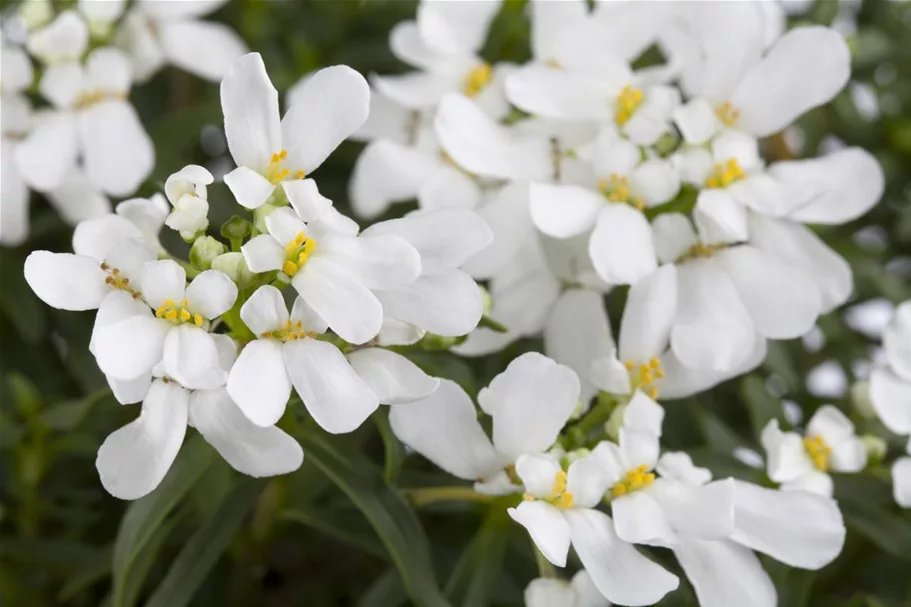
[476, 575]
[207, 544]
[385, 591]
[19, 303]
[387, 511]
[394, 451]
[90, 571]
[144, 516]
[144, 560]
[866, 504]
[761, 405]
[339, 526]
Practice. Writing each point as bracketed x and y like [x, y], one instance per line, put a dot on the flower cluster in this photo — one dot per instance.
[86, 142]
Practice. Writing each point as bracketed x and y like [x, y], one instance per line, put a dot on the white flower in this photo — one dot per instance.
[901, 479]
[551, 592]
[736, 86]
[443, 44]
[15, 123]
[803, 462]
[93, 119]
[186, 191]
[333, 272]
[890, 386]
[133, 460]
[269, 150]
[176, 334]
[147, 214]
[287, 352]
[559, 511]
[100, 15]
[529, 402]
[799, 529]
[444, 299]
[621, 245]
[156, 33]
[392, 377]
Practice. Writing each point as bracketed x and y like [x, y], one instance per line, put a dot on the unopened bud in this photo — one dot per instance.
[204, 251]
[860, 399]
[876, 448]
[235, 266]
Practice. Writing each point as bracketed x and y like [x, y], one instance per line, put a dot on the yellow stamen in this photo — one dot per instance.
[724, 174]
[290, 268]
[635, 479]
[818, 451]
[178, 313]
[628, 101]
[727, 114]
[476, 79]
[297, 252]
[116, 281]
[643, 376]
[289, 331]
[276, 172]
[89, 98]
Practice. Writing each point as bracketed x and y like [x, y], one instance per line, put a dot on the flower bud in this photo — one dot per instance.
[876, 448]
[860, 399]
[235, 266]
[204, 251]
[36, 13]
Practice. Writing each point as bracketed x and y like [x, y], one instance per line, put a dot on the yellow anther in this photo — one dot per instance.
[635, 479]
[724, 174]
[553, 63]
[565, 501]
[297, 253]
[275, 172]
[476, 79]
[654, 363]
[559, 483]
[185, 315]
[643, 376]
[300, 174]
[528, 497]
[818, 451]
[727, 114]
[627, 102]
[653, 392]
[116, 281]
[197, 320]
[178, 313]
[630, 365]
[171, 315]
[88, 98]
[290, 268]
[289, 331]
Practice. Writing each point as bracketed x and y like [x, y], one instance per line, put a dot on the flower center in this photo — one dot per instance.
[297, 252]
[289, 332]
[818, 451]
[628, 101]
[559, 496]
[727, 114]
[635, 479]
[276, 171]
[178, 313]
[724, 174]
[476, 79]
[117, 281]
[700, 251]
[88, 98]
[644, 376]
[616, 189]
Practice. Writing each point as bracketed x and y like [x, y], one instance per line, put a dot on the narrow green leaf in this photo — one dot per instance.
[385, 591]
[475, 577]
[89, 572]
[394, 451]
[144, 560]
[387, 511]
[761, 405]
[866, 503]
[207, 544]
[145, 515]
[337, 525]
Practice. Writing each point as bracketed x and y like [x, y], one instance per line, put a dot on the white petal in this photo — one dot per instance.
[563, 211]
[621, 245]
[448, 187]
[250, 105]
[849, 455]
[191, 358]
[137, 37]
[546, 592]
[577, 333]
[538, 473]
[530, 402]
[787, 457]
[586, 481]
[14, 211]
[805, 68]
[444, 428]
[108, 70]
[720, 218]
[265, 310]
[386, 173]
[117, 151]
[332, 105]
[830, 424]
[66, 281]
[263, 254]
[416, 90]
[307, 316]
[335, 396]
[609, 374]
[657, 181]
[445, 238]
[398, 333]
[891, 397]
[558, 94]
[349, 308]
[378, 262]
[162, 281]
[639, 447]
[181, 10]
[258, 382]
[48, 153]
[814, 481]
[393, 378]
[642, 413]
[897, 341]
[128, 392]
[456, 27]
[901, 481]
[211, 293]
[96, 237]
[839, 187]
[639, 520]
[447, 304]
[648, 315]
[678, 466]
[486, 148]
[284, 225]
[305, 199]
[724, 573]
[246, 447]
[803, 250]
[407, 44]
[77, 198]
[587, 594]
[508, 217]
[133, 460]
[147, 214]
[617, 569]
[697, 121]
[249, 188]
[782, 302]
[203, 48]
[680, 381]
[703, 511]
[131, 347]
[713, 329]
[129, 256]
[547, 527]
[673, 236]
[797, 528]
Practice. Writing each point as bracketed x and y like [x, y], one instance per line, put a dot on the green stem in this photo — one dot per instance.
[545, 567]
[598, 414]
[421, 496]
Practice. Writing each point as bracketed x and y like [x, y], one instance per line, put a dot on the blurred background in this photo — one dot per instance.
[334, 533]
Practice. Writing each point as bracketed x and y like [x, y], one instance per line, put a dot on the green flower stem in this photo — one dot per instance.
[545, 567]
[598, 414]
[423, 496]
